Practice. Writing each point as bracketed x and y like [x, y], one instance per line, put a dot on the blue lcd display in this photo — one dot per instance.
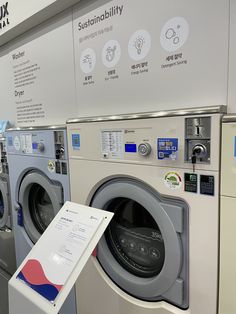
[35, 145]
[130, 148]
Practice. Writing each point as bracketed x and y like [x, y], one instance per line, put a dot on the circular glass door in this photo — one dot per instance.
[134, 238]
[40, 199]
[141, 250]
[1, 206]
[41, 207]
[4, 205]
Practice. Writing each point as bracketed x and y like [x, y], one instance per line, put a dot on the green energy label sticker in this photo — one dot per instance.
[173, 180]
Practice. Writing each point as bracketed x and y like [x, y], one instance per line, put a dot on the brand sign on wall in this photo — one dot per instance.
[42, 74]
[17, 16]
[132, 56]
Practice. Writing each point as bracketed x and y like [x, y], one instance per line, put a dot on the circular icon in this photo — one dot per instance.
[132, 246]
[123, 242]
[143, 249]
[174, 34]
[139, 45]
[111, 53]
[87, 60]
[16, 143]
[154, 253]
[173, 180]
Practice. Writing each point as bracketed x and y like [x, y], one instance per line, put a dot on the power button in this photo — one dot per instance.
[144, 149]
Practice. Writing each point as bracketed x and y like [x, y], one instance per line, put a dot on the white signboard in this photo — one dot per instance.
[57, 259]
[16, 16]
[132, 56]
[42, 74]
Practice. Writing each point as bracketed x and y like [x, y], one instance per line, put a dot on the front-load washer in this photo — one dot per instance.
[227, 301]
[7, 245]
[38, 167]
[159, 173]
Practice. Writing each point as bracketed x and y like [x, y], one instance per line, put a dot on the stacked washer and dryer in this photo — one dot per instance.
[159, 174]
[38, 167]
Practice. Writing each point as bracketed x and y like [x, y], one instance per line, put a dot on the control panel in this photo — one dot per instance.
[45, 143]
[198, 140]
[3, 154]
[59, 145]
[178, 141]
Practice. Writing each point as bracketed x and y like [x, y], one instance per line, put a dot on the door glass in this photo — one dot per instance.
[134, 238]
[41, 207]
[1, 205]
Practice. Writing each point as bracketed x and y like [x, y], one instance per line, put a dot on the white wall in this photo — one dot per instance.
[232, 60]
[200, 79]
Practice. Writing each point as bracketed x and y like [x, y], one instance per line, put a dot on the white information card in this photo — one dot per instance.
[60, 254]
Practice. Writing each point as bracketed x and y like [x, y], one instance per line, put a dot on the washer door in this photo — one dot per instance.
[4, 204]
[142, 250]
[40, 199]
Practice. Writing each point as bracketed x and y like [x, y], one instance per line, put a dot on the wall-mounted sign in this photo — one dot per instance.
[134, 57]
[42, 75]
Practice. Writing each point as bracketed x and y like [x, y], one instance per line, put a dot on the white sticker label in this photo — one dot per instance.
[16, 143]
[113, 144]
[26, 143]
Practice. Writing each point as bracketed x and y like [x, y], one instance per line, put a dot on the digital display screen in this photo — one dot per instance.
[131, 148]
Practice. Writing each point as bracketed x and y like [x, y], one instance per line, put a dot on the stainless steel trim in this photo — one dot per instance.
[158, 114]
[229, 118]
[37, 128]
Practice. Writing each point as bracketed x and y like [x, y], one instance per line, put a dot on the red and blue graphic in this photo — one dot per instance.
[34, 276]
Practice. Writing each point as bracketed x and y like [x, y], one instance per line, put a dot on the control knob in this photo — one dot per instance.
[41, 147]
[144, 149]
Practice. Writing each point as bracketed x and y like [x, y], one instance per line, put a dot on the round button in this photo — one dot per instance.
[144, 149]
[41, 147]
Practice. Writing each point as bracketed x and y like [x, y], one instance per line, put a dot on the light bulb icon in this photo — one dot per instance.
[138, 44]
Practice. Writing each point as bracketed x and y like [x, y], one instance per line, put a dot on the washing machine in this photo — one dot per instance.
[38, 167]
[159, 173]
[227, 302]
[7, 245]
